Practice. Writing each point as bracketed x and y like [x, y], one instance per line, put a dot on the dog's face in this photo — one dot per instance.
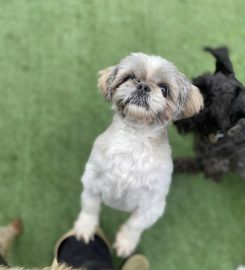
[147, 88]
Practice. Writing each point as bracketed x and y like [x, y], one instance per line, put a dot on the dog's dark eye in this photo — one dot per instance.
[164, 89]
[128, 78]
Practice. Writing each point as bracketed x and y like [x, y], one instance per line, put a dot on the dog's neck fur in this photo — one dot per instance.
[154, 130]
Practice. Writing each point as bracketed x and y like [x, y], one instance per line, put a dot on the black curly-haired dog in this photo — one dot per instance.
[219, 129]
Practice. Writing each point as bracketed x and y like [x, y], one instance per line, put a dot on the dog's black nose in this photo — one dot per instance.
[143, 87]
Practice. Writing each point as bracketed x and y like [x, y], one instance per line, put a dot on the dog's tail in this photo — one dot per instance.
[223, 62]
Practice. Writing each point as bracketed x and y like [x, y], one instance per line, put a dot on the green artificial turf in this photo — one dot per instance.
[51, 112]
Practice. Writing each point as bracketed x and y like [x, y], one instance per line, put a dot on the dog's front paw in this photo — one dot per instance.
[85, 228]
[126, 242]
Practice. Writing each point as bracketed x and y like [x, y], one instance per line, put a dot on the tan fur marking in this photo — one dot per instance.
[103, 80]
[194, 102]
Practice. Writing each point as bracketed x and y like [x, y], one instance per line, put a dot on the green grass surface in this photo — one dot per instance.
[51, 112]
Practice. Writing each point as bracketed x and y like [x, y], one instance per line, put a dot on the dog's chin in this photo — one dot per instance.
[140, 114]
[140, 107]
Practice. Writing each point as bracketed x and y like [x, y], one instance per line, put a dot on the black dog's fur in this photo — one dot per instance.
[219, 129]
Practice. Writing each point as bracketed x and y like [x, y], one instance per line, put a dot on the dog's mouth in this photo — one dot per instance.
[138, 98]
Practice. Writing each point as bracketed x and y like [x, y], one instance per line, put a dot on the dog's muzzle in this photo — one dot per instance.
[140, 96]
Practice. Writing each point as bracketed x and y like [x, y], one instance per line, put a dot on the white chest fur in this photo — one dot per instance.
[129, 163]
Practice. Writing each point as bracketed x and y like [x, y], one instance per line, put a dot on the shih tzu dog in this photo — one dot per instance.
[219, 128]
[130, 165]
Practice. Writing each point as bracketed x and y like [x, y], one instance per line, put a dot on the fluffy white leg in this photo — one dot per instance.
[129, 234]
[88, 219]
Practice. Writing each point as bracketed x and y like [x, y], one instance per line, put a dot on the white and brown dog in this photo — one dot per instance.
[130, 165]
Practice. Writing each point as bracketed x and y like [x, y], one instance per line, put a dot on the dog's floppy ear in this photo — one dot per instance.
[106, 78]
[193, 103]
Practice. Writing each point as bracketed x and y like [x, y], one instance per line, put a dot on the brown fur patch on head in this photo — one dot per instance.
[106, 77]
[194, 103]
[168, 112]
